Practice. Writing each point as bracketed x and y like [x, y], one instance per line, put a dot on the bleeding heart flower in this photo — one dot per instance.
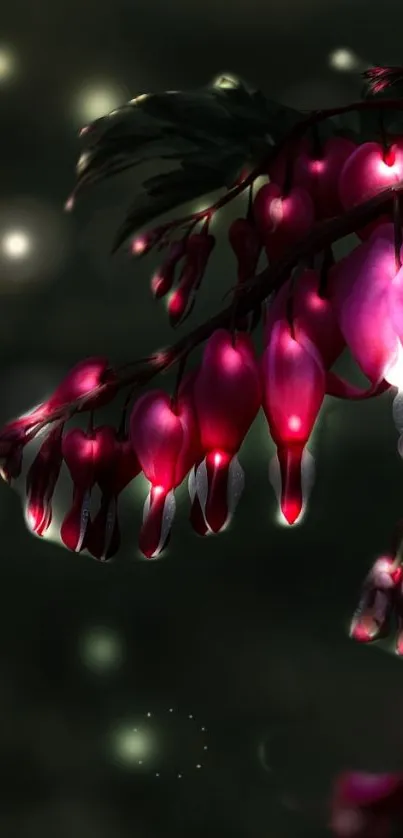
[165, 439]
[114, 472]
[293, 382]
[163, 280]
[41, 481]
[13, 439]
[359, 292]
[319, 175]
[282, 220]
[311, 312]
[83, 454]
[367, 171]
[227, 398]
[198, 249]
[372, 618]
[93, 378]
[366, 805]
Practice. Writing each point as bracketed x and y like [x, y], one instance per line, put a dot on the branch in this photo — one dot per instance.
[313, 118]
[269, 280]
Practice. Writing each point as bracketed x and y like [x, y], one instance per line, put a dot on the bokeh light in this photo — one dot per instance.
[101, 649]
[344, 60]
[133, 746]
[98, 98]
[163, 743]
[34, 242]
[16, 244]
[7, 63]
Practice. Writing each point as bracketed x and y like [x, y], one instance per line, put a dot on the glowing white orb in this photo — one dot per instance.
[132, 746]
[7, 64]
[16, 244]
[344, 60]
[98, 100]
[34, 241]
[101, 649]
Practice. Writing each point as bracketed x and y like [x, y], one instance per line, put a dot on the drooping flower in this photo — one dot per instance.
[92, 378]
[83, 453]
[282, 220]
[163, 279]
[227, 397]
[371, 620]
[380, 78]
[293, 387]
[311, 312]
[368, 170]
[317, 172]
[360, 291]
[366, 805]
[113, 474]
[198, 249]
[41, 481]
[164, 435]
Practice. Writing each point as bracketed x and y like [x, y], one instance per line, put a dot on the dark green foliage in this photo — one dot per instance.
[211, 133]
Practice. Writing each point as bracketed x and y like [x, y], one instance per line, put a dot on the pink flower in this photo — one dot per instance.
[83, 453]
[293, 383]
[165, 439]
[113, 474]
[366, 805]
[41, 481]
[227, 397]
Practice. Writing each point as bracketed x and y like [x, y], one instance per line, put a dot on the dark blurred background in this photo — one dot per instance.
[237, 646]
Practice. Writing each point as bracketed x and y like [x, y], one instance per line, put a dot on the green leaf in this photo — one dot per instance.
[211, 133]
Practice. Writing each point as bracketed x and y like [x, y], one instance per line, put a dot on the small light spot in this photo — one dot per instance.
[98, 99]
[69, 205]
[294, 423]
[139, 245]
[16, 244]
[7, 64]
[344, 60]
